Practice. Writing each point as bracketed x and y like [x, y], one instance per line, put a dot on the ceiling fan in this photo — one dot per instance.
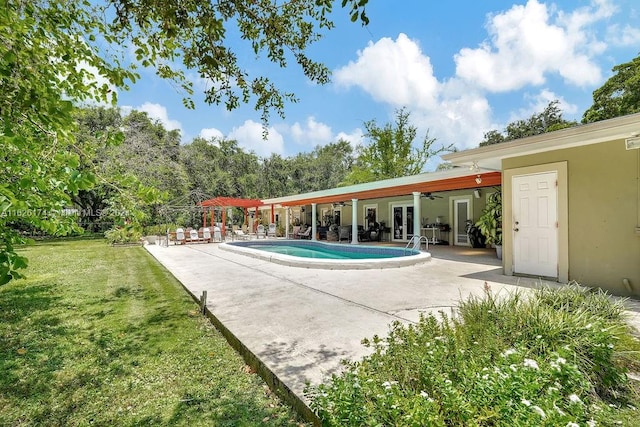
[340, 204]
[431, 196]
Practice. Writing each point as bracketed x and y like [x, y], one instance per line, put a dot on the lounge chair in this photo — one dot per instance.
[306, 234]
[193, 236]
[217, 234]
[272, 231]
[260, 232]
[206, 234]
[241, 235]
[180, 238]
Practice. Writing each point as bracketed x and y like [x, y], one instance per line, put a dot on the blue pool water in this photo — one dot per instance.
[324, 250]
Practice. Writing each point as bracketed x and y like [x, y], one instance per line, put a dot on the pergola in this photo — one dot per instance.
[226, 202]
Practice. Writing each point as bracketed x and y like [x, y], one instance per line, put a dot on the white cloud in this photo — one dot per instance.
[211, 133]
[159, 112]
[540, 101]
[355, 137]
[525, 44]
[625, 36]
[398, 73]
[395, 72]
[311, 134]
[250, 137]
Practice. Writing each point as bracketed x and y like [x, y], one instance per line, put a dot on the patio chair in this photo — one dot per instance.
[343, 233]
[272, 230]
[260, 232]
[180, 239]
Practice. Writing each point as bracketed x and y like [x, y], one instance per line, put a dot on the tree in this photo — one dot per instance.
[391, 152]
[619, 96]
[550, 119]
[56, 54]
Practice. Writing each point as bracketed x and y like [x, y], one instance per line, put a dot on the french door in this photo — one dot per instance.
[461, 214]
[402, 226]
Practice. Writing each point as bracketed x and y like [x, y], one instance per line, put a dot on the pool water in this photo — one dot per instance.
[328, 256]
[320, 252]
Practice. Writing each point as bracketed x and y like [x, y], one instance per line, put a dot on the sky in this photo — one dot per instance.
[460, 68]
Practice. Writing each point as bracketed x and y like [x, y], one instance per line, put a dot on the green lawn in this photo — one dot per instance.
[105, 336]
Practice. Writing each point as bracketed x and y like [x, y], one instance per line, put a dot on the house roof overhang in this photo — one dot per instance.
[491, 156]
[453, 179]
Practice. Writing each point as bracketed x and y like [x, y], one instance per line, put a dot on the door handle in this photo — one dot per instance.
[516, 229]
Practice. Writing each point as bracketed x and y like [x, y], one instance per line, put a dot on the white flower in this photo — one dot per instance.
[508, 352]
[591, 423]
[588, 326]
[485, 377]
[424, 394]
[538, 337]
[570, 424]
[573, 398]
[386, 385]
[526, 402]
[447, 381]
[561, 361]
[530, 363]
[538, 410]
[513, 368]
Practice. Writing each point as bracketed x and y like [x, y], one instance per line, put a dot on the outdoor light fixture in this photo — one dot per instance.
[478, 180]
[632, 143]
[476, 193]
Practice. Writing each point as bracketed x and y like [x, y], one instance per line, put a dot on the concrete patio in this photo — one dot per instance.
[298, 324]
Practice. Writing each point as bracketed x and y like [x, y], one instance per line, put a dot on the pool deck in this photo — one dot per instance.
[301, 322]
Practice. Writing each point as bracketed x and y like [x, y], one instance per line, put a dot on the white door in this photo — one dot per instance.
[402, 229]
[461, 213]
[535, 224]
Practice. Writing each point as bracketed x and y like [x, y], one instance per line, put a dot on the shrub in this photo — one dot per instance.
[123, 235]
[543, 359]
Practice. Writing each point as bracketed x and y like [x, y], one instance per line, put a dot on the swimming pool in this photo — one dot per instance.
[310, 254]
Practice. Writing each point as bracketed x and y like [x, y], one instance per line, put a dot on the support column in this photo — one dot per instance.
[212, 212]
[273, 215]
[314, 225]
[287, 212]
[204, 216]
[354, 221]
[224, 221]
[416, 213]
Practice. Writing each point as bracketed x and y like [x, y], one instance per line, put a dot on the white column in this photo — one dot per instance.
[314, 225]
[416, 213]
[287, 212]
[354, 221]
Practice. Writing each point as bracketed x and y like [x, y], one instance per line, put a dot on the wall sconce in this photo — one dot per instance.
[478, 180]
[476, 193]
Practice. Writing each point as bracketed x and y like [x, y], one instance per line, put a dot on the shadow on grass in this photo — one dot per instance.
[30, 331]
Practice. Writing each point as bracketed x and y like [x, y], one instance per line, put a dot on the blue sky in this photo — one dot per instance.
[460, 68]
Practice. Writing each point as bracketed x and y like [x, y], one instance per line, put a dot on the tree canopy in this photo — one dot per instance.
[57, 54]
[619, 96]
[391, 152]
[548, 120]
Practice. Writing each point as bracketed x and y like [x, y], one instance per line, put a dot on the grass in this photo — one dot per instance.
[106, 336]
